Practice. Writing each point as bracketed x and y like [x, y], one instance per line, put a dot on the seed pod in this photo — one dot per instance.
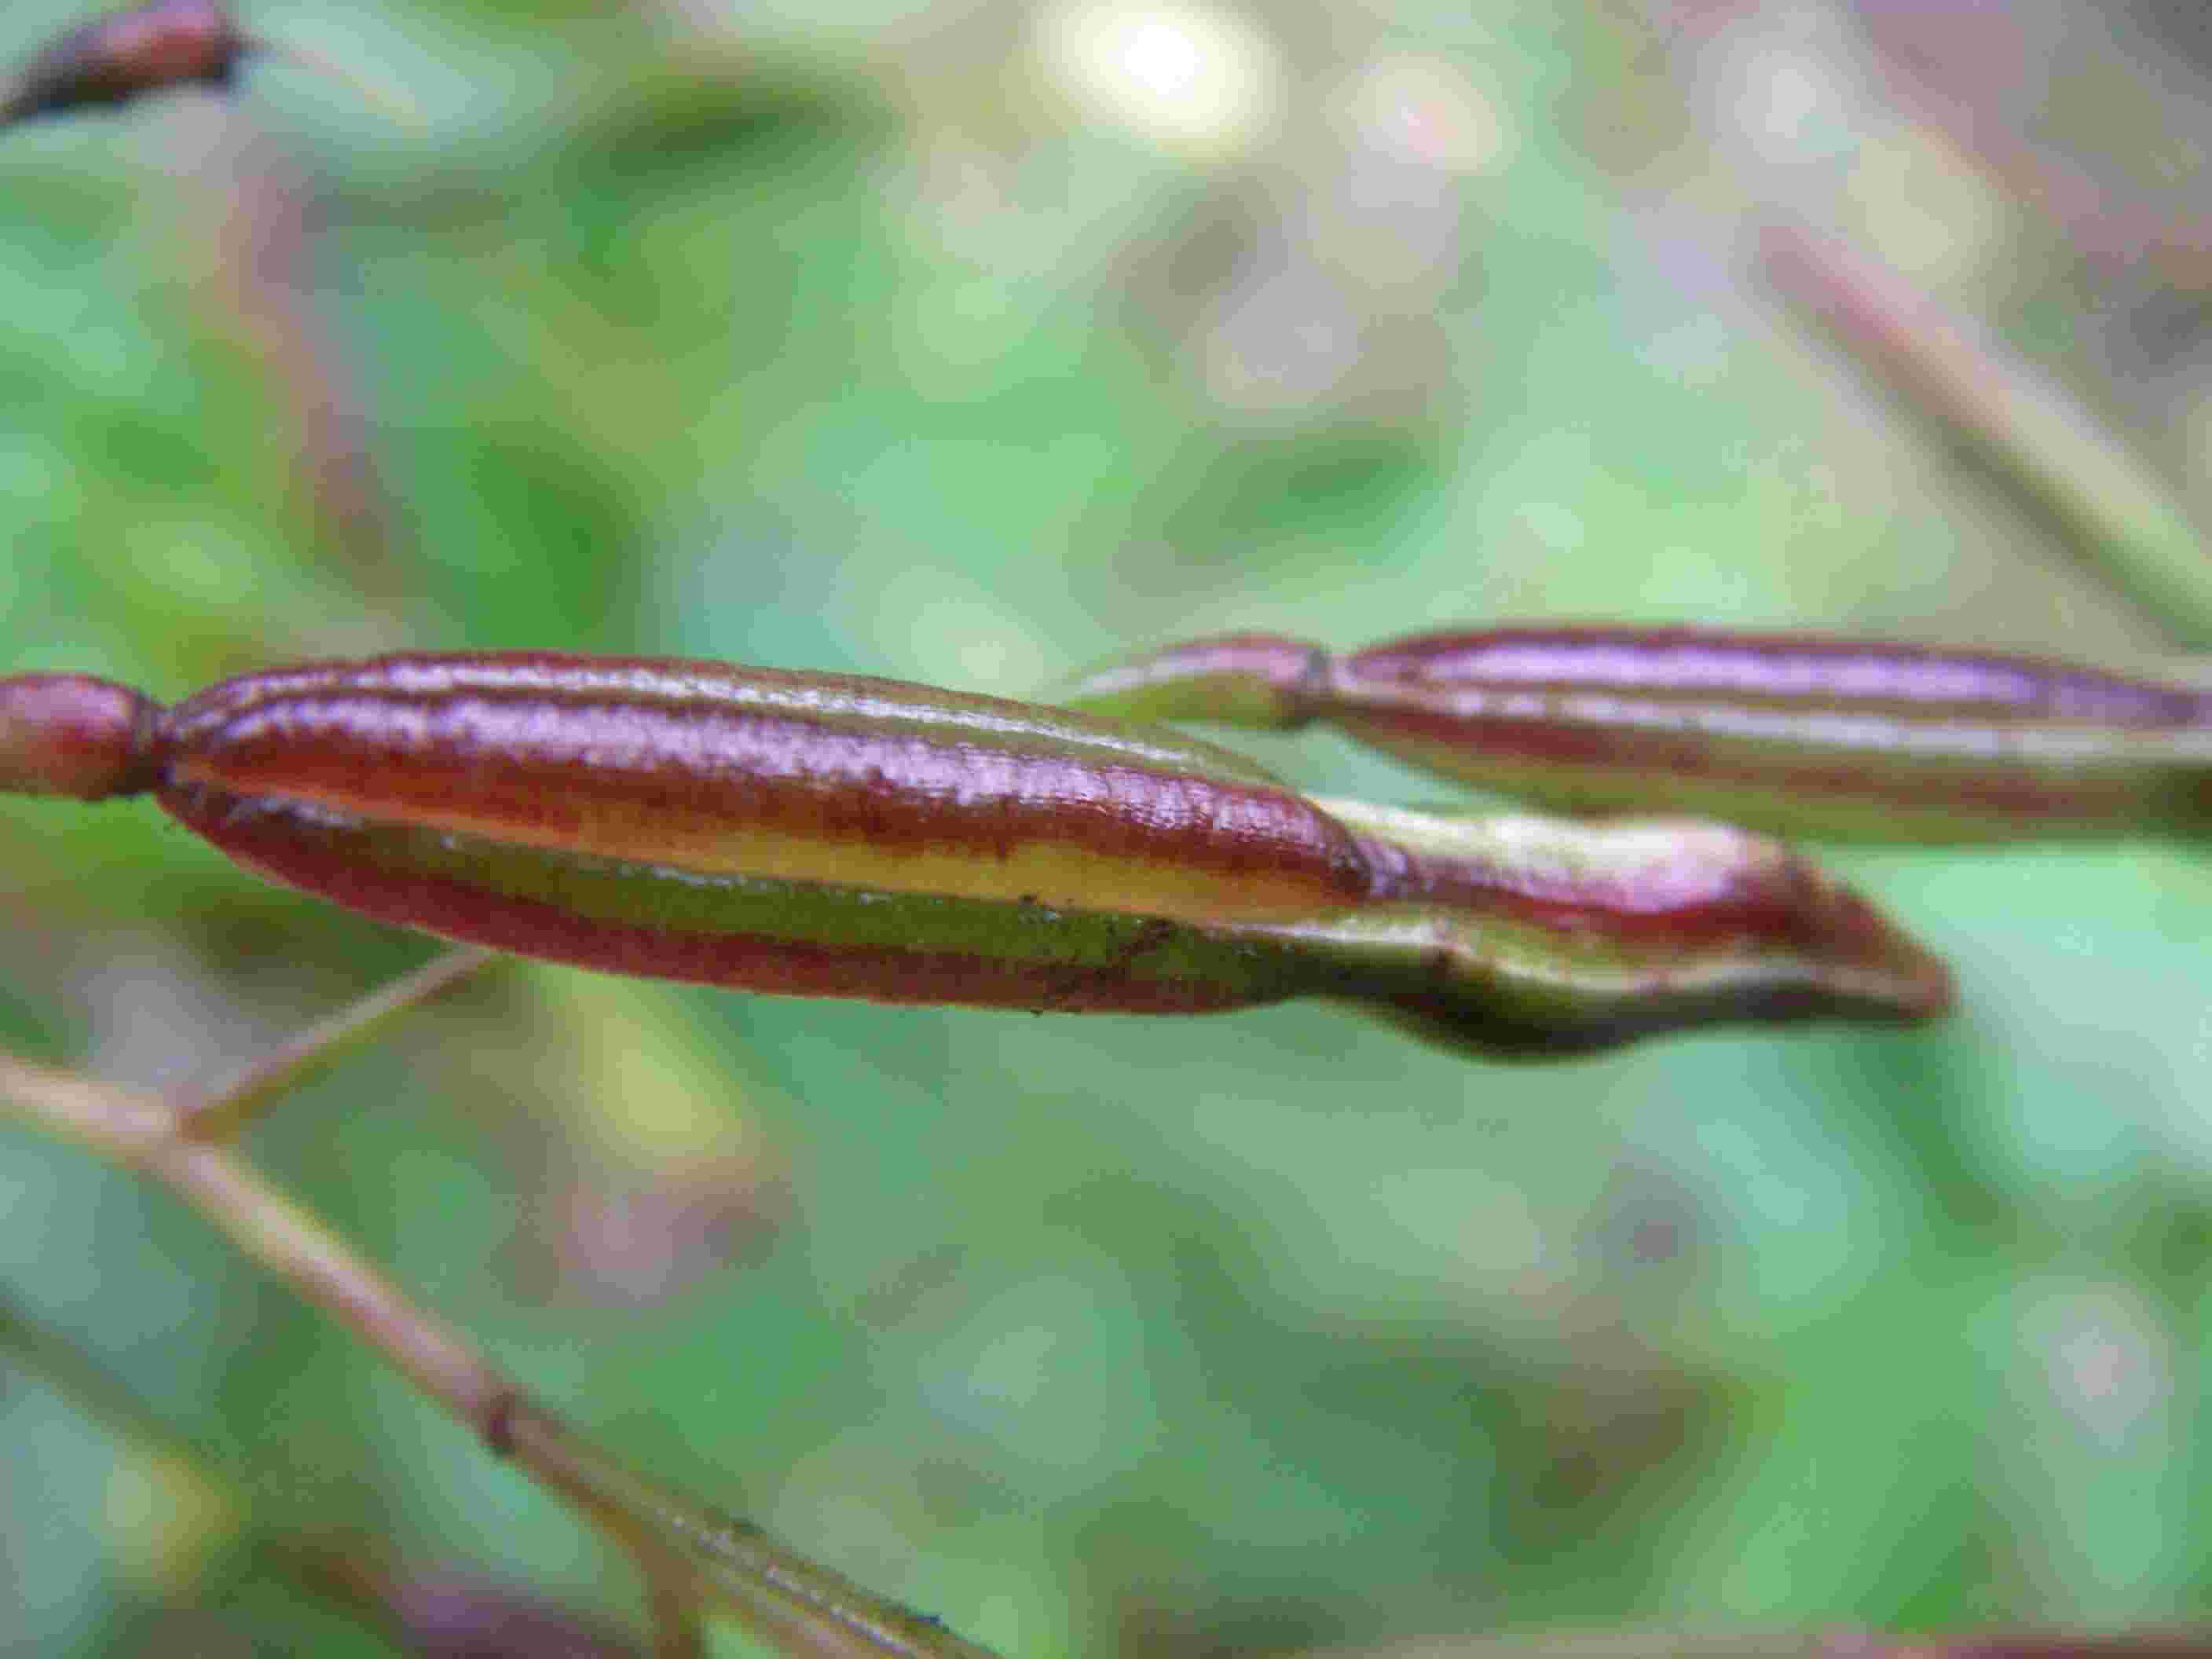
[830, 835]
[1811, 736]
[112, 60]
[807, 834]
[1534, 937]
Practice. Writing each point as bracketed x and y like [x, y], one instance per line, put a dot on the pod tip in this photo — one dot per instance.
[112, 60]
[76, 736]
[1262, 680]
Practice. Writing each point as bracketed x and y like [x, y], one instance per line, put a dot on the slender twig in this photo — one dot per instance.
[2116, 226]
[2118, 517]
[378, 1597]
[669, 1533]
[757, 1575]
[245, 226]
[222, 1109]
[92, 1389]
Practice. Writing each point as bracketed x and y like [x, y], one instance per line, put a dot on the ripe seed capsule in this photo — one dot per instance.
[113, 59]
[792, 832]
[832, 835]
[1850, 738]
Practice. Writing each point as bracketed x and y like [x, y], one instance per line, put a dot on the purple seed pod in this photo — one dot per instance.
[1846, 738]
[112, 60]
[831, 836]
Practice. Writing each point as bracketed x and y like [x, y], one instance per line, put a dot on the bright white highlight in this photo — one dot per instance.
[1200, 80]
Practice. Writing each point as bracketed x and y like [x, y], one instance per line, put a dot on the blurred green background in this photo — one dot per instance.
[971, 344]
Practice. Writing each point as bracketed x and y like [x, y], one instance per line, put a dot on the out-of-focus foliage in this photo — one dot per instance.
[971, 345]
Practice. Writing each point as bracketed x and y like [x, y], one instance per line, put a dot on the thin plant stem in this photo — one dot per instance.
[220, 1111]
[2118, 517]
[338, 1577]
[677, 1540]
[2120, 228]
[386, 97]
[759, 1576]
[94, 1390]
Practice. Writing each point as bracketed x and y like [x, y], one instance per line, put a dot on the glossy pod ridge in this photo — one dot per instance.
[806, 834]
[806, 777]
[823, 835]
[1837, 738]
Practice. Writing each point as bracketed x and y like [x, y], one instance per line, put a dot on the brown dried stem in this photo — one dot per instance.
[223, 1109]
[685, 1549]
[2118, 517]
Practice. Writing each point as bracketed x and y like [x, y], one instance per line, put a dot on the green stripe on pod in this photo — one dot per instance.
[1492, 981]
[799, 938]
[818, 834]
[1532, 937]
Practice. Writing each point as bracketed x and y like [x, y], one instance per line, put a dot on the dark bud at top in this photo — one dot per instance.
[70, 734]
[166, 42]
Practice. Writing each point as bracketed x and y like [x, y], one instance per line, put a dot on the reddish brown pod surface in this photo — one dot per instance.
[838, 835]
[1852, 739]
[112, 60]
[808, 776]
[813, 834]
